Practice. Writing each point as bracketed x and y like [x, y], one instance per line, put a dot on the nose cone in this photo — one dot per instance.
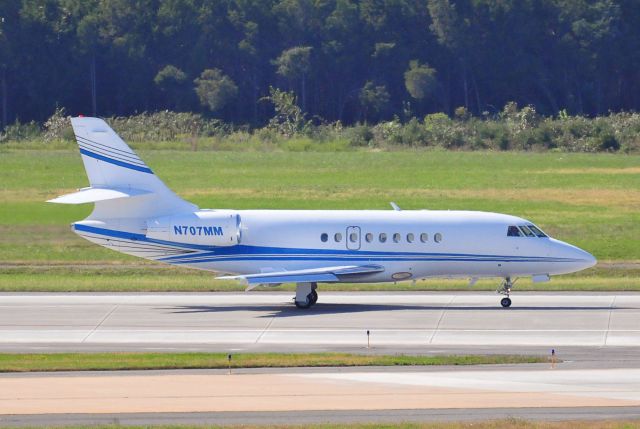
[576, 258]
[588, 260]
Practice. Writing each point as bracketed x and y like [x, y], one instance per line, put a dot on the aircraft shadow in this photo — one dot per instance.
[289, 310]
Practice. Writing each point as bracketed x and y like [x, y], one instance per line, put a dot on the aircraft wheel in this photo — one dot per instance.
[313, 297]
[505, 302]
[306, 303]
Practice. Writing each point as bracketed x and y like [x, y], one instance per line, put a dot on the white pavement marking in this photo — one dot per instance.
[339, 319]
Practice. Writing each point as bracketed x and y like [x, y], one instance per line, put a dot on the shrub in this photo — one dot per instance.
[325, 131]
[608, 142]
[386, 132]
[461, 113]
[166, 126]
[443, 131]
[289, 119]
[19, 131]
[359, 135]
[512, 129]
[58, 127]
[413, 134]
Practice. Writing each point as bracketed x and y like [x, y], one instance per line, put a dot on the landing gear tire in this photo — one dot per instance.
[505, 289]
[306, 295]
[306, 304]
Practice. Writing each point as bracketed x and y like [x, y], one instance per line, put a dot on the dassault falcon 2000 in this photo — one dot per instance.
[137, 214]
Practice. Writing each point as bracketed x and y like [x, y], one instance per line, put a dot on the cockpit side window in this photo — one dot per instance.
[513, 231]
[526, 231]
[536, 231]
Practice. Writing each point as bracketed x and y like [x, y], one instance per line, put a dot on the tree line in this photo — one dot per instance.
[344, 60]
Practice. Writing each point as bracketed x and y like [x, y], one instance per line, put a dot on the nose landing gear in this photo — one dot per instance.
[505, 289]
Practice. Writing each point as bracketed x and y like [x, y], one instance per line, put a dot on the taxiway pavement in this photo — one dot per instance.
[401, 322]
[597, 334]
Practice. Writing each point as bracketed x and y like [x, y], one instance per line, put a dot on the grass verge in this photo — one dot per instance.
[511, 423]
[145, 277]
[27, 362]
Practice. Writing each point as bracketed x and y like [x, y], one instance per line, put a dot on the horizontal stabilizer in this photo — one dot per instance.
[325, 274]
[91, 195]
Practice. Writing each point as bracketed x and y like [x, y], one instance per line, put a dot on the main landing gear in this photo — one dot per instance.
[306, 295]
[505, 289]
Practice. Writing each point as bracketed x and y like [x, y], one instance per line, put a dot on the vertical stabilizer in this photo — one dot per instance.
[111, 164]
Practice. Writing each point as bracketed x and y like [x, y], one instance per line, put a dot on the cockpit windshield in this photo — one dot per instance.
[536, 230]
[528, 230]
[513, 231]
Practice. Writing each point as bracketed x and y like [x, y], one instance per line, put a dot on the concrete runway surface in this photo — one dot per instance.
[400, 322]
[599, 332]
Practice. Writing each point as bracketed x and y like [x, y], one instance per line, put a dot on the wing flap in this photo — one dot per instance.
[325, 274]
[91, 195]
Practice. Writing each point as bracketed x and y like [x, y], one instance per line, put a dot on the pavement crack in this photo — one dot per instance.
[266, 328]
[115, 307]
[444, 310]
[606, 333]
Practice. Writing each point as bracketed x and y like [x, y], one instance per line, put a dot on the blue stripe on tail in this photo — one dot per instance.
[116, 162]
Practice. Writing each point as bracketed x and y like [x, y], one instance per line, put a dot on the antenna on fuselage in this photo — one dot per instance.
[395, 206]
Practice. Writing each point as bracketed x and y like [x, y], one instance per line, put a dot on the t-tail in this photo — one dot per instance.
[124, 189]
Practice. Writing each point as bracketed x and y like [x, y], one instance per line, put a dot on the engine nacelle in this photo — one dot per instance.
[212, 228]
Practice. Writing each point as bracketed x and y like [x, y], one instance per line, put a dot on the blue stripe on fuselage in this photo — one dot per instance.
[136, 237]
[254, 253]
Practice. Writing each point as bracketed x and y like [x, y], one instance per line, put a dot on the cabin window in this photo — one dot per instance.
[353, 237]
[382, 237]
[437, 238]
[368, 237]
[409, 238]
[536, 231]
[396, 237]
[513, 231]
[424, 237]
[337, 237]
[526, 231]
[324, 237]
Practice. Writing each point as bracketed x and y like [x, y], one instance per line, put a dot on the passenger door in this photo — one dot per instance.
[353, 238]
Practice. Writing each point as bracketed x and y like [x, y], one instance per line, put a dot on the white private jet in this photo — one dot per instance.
[137, 214]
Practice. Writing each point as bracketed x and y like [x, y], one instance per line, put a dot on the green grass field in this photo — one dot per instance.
[26, 362]
[508, 423]
[590, 200]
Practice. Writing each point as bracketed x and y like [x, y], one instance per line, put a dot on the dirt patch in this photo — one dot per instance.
[592, 170]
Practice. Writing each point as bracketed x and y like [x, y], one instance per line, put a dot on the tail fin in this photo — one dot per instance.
[107, 159]
[122, 185]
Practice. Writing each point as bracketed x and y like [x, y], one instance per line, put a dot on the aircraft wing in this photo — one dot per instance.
[325, 274]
